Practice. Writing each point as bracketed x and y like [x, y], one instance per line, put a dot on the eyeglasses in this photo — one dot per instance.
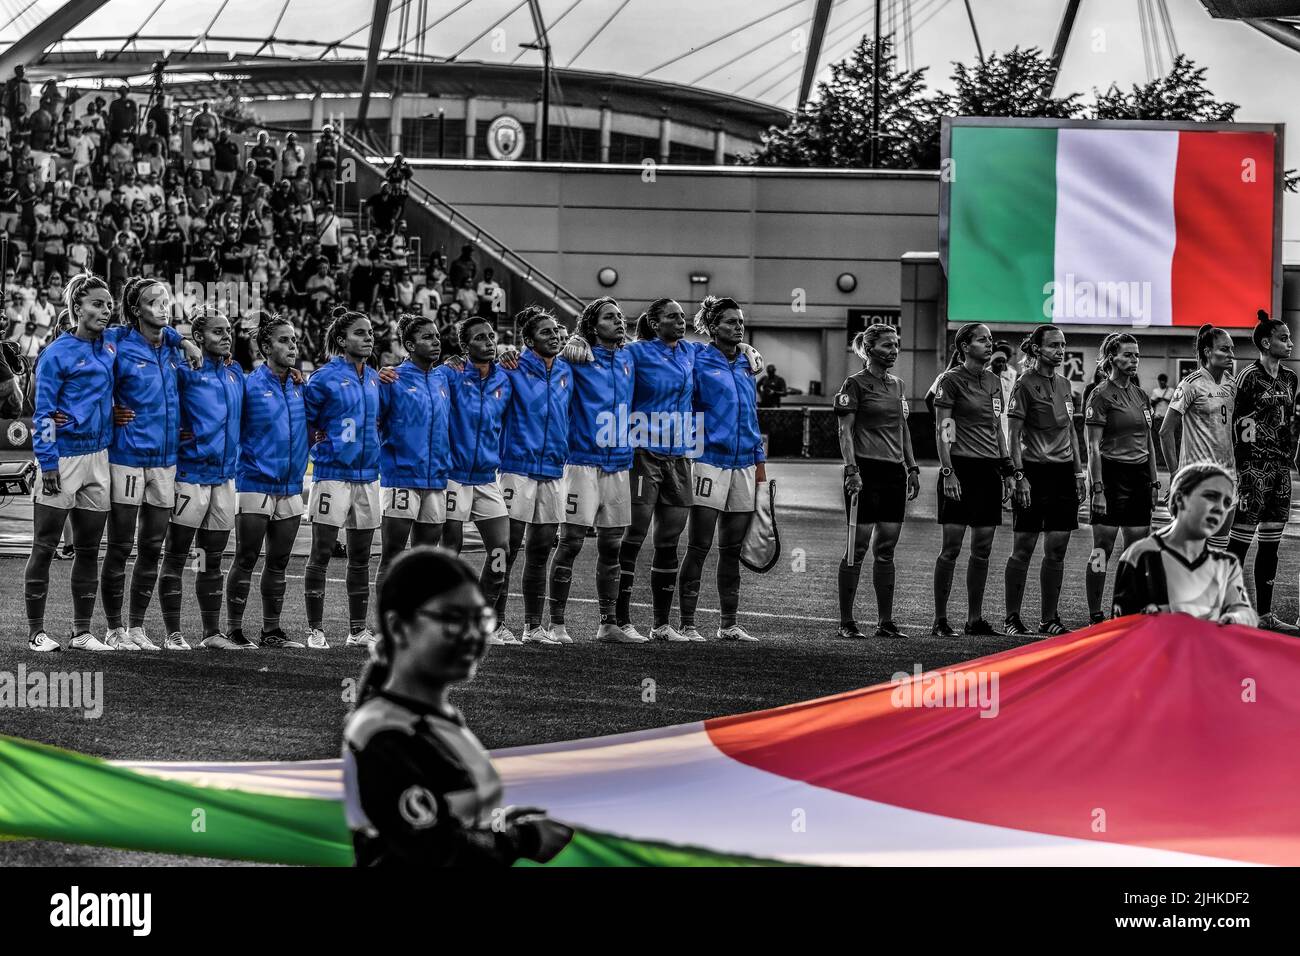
[457, 624]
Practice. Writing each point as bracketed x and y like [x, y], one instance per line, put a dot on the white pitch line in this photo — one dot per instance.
[703, 610]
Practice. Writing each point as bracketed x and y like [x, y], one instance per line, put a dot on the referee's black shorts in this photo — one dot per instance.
[1127, 488]
[884, 492]
[1053, 498]
[982, 493]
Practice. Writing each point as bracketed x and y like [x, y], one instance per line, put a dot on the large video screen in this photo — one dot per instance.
[1111, 223]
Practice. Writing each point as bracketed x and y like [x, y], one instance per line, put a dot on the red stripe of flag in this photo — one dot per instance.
[1223, 211]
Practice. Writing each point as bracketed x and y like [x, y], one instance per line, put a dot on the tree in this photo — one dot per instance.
[1181, 94]
[1016, 83]
[834, 129]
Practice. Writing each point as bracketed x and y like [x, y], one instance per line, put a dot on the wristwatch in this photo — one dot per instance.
[1098, 488]
[945, 471]
[913, 469]
[850, 469]
[1018, 475]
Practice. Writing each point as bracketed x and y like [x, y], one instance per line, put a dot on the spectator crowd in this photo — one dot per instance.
[224, 214]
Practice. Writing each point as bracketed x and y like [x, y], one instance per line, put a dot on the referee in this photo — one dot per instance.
[420, 789]
[880, 473]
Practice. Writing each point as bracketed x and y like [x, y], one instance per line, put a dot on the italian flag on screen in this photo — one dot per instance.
[1110, 226]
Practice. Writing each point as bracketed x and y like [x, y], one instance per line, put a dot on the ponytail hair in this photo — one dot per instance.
[590, 315]
[408, 323]
[866, 340]
[199, 319]
[1032, 342]
[78, 287]
[131, 294]
[341, 319]
[416, 576]
[1264, 328]
[266, 326]
[960, 341]
[1205, 342]
[1109, 348]
[529, 318]
[711, 310]
[462, 331]
[647, 324]
[1189, 476]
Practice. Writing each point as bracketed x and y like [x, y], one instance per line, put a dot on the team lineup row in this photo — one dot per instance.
[1235, 436]
[165, 447]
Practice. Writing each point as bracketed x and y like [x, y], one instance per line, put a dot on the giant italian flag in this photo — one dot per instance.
[1116, 226]
[1147, 740]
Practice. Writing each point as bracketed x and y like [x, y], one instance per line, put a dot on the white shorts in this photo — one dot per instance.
[83, 483]
[597, 498]
[346, 504]
[422, 505]
[206, 507]
[532, 501]
[724, 489]
[136, 486]
[274, 507]
[475, 502]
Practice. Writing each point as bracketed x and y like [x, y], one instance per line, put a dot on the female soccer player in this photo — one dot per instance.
[342, 404]
[414, 418]
[1202, 410]
[142, 457]
[1050, 482]
[1264, 426]
[480, 393]
[421, 790]
[211, 403]
[534, 450]
[268, 479]
[880, 472]
[72, 429]
[1173, 569]
[1121, 460]
[730, 469]
[973, 470]
[597, 477]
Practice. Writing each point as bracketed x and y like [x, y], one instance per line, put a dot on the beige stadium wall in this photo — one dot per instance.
[760, 236]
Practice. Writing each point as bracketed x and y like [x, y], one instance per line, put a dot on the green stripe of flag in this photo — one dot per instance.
[1002, 223]
[51, 794]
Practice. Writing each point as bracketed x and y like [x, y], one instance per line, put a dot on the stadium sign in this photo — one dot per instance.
[860, 319]
[505, 138]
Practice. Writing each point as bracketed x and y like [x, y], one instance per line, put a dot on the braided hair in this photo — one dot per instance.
[341, 320]
[590, 317]
[416, 576]
[711, 310]
[649, 319]
[78, 287]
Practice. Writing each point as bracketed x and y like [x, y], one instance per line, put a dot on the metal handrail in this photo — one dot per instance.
[472, 231]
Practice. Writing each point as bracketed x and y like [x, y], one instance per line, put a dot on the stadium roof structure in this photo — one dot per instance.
[762, 51]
